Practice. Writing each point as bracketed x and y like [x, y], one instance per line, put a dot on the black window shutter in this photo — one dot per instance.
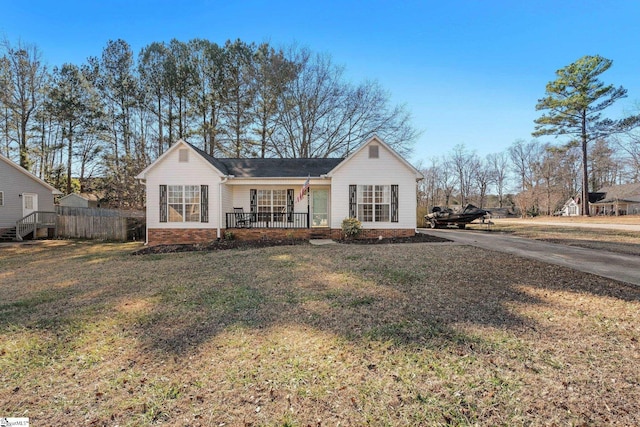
[394, 203]
[253, 200]
[163, 203]
[204, 203]
[353, 201]
[290, 196]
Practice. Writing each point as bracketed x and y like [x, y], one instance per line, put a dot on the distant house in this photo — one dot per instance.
[570, 208]
[22, 196]
[621, 199]
[194, 197]
[83, 200]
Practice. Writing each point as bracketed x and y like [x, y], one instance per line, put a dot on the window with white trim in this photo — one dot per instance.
[271, 201]
[28, 201]
[374, 203]
[183, 202]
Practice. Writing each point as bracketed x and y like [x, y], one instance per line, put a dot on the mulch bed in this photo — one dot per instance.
[218, 245]
[418, 238]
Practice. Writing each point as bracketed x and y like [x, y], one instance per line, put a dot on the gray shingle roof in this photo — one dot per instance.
[271, 167]
[622, 193]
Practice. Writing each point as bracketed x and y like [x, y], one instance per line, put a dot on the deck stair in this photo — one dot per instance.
[29, 225]
[8, 235]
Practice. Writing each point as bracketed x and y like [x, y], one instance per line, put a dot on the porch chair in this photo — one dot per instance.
[242, 219]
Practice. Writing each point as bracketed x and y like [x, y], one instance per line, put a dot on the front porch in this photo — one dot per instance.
[290, 220]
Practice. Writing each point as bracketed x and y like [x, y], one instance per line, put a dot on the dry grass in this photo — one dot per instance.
[406, 334]
[602, 219]
[573, 234]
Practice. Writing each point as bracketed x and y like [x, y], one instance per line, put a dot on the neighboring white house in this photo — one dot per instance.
[193, 197]
[21, 194]
[570, 208]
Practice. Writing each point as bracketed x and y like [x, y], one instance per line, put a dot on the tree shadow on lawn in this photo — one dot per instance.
[146, 328]
[414, 295]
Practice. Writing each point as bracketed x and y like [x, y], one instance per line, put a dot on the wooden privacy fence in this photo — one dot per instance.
[99, 224]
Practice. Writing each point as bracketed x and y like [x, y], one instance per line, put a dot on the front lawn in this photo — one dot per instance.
[390, 334]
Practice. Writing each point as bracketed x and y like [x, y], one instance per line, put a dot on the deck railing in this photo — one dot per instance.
[267, 220]
[33, 221]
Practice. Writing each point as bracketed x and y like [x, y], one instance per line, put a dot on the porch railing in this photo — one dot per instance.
[33, 221]
[267, 220]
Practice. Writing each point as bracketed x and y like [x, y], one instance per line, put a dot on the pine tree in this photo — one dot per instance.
[575, 102]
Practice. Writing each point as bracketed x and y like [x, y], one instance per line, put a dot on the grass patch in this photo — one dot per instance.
[620, 241]
[351, 334]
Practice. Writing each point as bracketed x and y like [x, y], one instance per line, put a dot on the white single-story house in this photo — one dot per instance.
[83, 200]
[570, 208]
[23, 196]
[193, 197]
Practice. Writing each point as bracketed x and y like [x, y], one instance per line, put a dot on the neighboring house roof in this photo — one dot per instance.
[29, 174]
[619, 193]
[594, 197]
[86, 196]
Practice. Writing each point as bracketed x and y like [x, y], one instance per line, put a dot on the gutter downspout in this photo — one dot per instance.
[224, 180]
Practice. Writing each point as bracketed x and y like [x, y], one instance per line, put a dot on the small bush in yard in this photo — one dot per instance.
[351, 227]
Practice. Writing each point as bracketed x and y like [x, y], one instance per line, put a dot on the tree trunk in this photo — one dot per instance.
[69, 158]
[24, 152]
[585, 171]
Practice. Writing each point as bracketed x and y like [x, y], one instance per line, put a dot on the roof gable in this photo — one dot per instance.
[29, 174]
[182, 144]
[376, 140]
[277, 167]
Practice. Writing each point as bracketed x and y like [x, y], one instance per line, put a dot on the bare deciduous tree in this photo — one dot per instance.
[21, 86]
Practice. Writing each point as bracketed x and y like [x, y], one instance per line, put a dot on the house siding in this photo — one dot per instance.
[170, 171]
[387, 169]
[13, 183]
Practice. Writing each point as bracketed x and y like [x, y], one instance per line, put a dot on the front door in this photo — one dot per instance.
[319, 208]
[29, 203]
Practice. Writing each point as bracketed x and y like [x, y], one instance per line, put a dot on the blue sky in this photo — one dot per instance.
[470, 72]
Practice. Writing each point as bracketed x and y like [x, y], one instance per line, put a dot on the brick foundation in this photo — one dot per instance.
[168, 236]
[172, 236]
[277, 233]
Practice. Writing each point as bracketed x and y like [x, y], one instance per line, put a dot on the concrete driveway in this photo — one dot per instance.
[625, 268]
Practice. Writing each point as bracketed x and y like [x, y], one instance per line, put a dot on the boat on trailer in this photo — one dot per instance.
[443, 217]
